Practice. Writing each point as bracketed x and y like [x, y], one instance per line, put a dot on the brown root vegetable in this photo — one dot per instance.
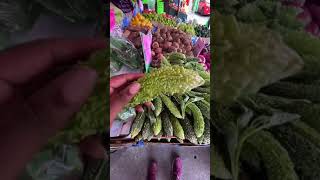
[175, 44]
[155, 45]
[160, 40]
[189, 53]
[188, 48]
[158, 50]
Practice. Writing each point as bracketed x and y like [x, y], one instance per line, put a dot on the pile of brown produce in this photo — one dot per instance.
[168, 40]
[132, 33]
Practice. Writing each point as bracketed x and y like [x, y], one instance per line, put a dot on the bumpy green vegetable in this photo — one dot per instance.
[171, 106]
[167, 125]
[137, 124]
[147, 131]
[158, 105]
[275, 157]
[159, 136]
[200, 139]
[188, 130]
[177, 128]
[206, 134]
[204, 106]
[156, 127]
[151, 116]
[309, 112]
[138, 137]
[304, 153]
[296, 91]
[198, 121]
[168, 80]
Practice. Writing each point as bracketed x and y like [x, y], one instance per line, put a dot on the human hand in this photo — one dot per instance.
[34, 105]
[122, 90]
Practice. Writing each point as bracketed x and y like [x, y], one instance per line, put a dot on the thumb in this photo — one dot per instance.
[120, 99]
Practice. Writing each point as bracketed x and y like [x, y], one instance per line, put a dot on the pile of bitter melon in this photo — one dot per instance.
[265, 119]
[179, 90]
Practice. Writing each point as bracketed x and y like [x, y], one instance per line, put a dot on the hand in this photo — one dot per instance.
[35, 105]
[122, 90]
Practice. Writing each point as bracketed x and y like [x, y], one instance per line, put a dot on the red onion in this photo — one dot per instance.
[312, 28]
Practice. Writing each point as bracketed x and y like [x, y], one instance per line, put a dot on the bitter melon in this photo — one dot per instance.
[204, 106]
[198, 121]
[292, 90]
[200, 139]
[159, 136]
[275, 158]
[137, 124]
[171, 106]
[206, 134]
[167, 125]
[157, 126]
[188, 130]
[168, 80]
[177, 128]
[158, 106]
[151, 116]
[147, 131]
[304, 153]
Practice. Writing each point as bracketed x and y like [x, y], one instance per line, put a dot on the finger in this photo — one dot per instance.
[92, 147]
[120, 80]
[139, 108]
[59, 100]
[21, 63]
[121, 99]
[150, 105]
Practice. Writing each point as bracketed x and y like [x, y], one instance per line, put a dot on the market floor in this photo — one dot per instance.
[132, 163]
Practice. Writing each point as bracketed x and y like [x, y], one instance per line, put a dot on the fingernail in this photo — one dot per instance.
[134, 88]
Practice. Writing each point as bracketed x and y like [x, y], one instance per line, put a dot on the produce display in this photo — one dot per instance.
[266, 116]
[180, 94]
[176, 82]
[160, 18]
[202, 31]
[187, 28]
[167, 40]
[141, 21]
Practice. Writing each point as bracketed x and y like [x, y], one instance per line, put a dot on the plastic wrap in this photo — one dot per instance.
[126, 113]
[123, 52]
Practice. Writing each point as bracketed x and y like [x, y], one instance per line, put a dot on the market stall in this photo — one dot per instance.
[175, 58]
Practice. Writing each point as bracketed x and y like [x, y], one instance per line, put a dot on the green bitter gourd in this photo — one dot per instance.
[168, 80]
[198, 121]
[177, 128]
[171, 106]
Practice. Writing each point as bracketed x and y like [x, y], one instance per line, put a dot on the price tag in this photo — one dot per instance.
[126, 6]
[146, 46]
[198, 47]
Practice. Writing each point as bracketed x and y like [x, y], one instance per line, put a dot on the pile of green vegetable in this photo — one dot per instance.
[179, 90]
[202, 31]
[160, 19]
[188, 28]
[266, 95]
